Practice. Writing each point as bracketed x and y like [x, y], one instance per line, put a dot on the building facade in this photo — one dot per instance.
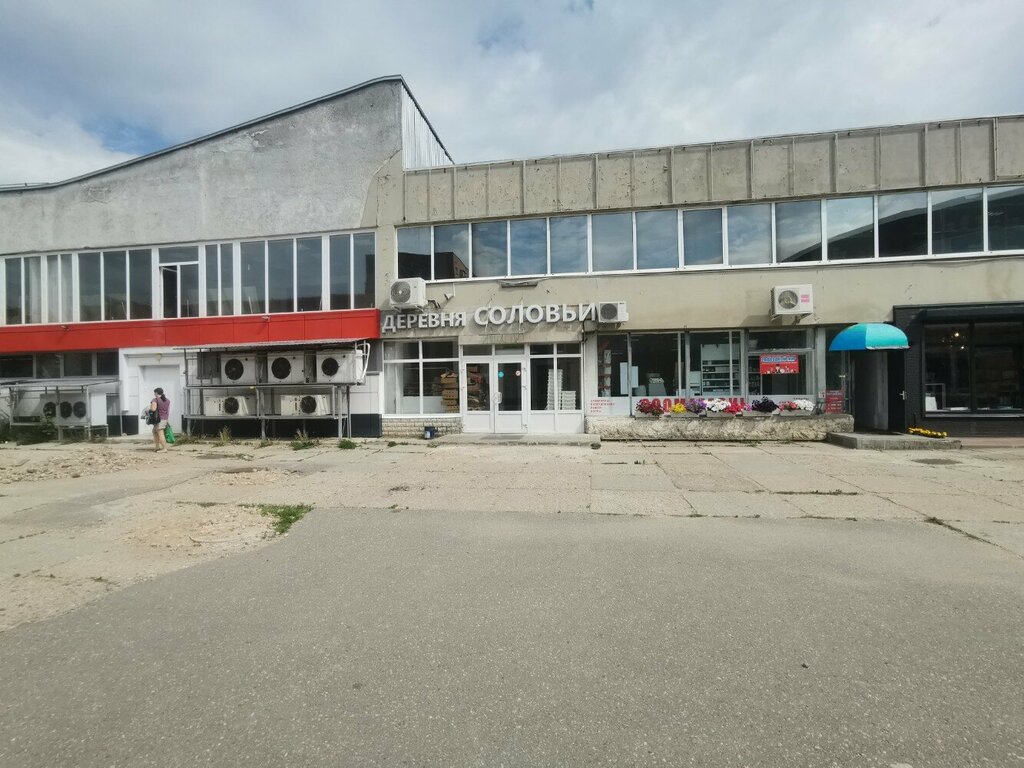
[527, 295]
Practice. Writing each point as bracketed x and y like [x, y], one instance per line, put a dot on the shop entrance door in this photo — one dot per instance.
[495, 394]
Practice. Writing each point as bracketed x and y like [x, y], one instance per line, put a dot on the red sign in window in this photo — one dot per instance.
[780, 364]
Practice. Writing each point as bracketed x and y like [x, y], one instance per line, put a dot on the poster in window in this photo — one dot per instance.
[776, 364]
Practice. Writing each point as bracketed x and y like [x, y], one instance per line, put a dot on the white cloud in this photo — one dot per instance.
[501, 80]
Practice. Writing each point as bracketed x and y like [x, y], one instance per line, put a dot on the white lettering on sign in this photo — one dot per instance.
[534, 314]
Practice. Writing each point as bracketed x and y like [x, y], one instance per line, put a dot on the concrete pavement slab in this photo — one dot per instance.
[951, 506]
[640, 503]
[862, 506]
[740, 504]
[1009, 536]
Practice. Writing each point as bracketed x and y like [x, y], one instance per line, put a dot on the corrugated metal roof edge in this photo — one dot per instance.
[225, 131]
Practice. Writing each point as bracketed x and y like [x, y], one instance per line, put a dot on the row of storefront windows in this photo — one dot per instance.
[940, 222]
[56, 365]
[974, 366]
[305, 274]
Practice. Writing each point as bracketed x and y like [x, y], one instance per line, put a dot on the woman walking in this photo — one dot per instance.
[161, 406]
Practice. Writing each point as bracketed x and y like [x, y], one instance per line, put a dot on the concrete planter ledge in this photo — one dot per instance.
[725, 428]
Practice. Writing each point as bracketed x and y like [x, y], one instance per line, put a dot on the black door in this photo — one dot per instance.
[897, 391]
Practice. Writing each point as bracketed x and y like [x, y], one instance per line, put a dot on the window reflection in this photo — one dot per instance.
[451, 251]
[1006, 218]
[957, 221]
[612, 235]
[903, 224]
[529, 246]
[750, 234]
[657, 240]
[851, 228]
[702, 237]
[414, 252]
[490, 252]
[569, 244]
[798, 231]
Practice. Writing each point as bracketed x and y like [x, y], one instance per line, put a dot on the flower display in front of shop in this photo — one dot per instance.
[678, 409]
[797, 405]
[717, 405]
[736, 409]
[764, 405]
[649, 407]
[927, 432]
[696, 406]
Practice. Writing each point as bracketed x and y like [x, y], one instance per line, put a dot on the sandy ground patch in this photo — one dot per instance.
[21, 465]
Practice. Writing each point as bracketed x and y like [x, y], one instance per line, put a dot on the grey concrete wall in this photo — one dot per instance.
[307, 171]
[736, 298]
[926, 154]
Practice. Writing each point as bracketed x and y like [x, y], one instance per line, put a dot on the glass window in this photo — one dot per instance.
[12, 291]
[544, 387]
[998, 366]
[53, 288]
[179, 254]
[851, 228]
[434, 350]
[765, 378]
[140, 275]
[542, 349]
[451, 251]
[750, 234]
[189, 290]
[107, 363]
[957, 221]
[657, 239]
[947, 367]
[570, 381]
[572, 348]
[529, 246]
[714, 369]
[903, 224]
[78, 364]
[33, 289]
[281, 275]
[612, 237]
[702, 237]
[363, 250]
[613, 376]
[48, 366]
[341, 279]
[568, 244]
[254, 291]
[440, 388]
[402, 350]
[402, 388]
[308, 272]
[16, 366]
[115, 285]
[169, 289]
[1005, 218]
[90, 304]
[67, 293]
[785, 339]
[798, 231]
[656, 360]
[227, 279]
[212, 271]
[414, 252]
[490, 252]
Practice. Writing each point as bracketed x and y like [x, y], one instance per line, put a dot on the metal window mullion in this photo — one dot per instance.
[295, 274]
[590, 243]
[266, 277]
[680, 258]
[824, 231]
[236, 277]
[180, 298]
[24, 279]
[724, 211]
[352, 267]
[984, 219]
[632, 218]
[928, 208]
[547, 232]
[775, 252]
[508, 248]
[874, 199]
[201, 270]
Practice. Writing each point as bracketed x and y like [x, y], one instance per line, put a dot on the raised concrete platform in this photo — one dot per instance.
[465, 438]
[873, 442]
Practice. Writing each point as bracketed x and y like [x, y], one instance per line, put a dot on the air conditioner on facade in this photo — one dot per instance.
[286, 369]
[305, 405]
[340, 366]
[238, 369]
[409, 293]
[73, 412]
[612, 312]
[229, 406]
[792, 300]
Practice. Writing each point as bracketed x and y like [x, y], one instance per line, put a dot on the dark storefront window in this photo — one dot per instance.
[974, 366]
[414, 252]
[1005, 218]
[903, 224]
[957, 221]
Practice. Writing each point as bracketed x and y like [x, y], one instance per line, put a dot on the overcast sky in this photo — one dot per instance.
[88, 83]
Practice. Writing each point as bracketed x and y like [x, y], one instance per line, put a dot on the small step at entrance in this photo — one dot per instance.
[872, 442]
[466, 438]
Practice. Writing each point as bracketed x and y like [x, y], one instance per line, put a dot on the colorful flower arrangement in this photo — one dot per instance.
[696, 405]
[716, 404]
[927, 432]
[650, 407]
[796, 405]
[736, 409]
[678, 408]
[764, 405]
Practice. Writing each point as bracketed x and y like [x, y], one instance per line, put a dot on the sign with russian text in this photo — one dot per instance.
[599, 406]
[835, 401]
[491, 317]
[772, 364]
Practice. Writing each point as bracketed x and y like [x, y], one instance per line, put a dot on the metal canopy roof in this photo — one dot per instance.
[298, 345]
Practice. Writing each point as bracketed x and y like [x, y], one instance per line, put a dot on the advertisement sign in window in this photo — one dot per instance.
[773, 364]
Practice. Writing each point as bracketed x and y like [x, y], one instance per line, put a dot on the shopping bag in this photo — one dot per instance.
[169, 434]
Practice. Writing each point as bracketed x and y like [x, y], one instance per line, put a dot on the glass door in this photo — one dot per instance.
[495, 392]
[510, 388]
[476, 380]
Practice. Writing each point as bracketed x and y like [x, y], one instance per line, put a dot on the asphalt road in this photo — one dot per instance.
[379, 638]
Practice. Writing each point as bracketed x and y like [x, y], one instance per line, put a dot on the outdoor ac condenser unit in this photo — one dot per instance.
[340, 366]
[230, 406]
[286, 369]
[409, 293]
[305, 405]
[612, 312]
[73, 412]
[238, 369]
[792, 300]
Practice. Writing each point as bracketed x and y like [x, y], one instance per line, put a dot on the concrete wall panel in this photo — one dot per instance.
[614, 181]
[976, 160]
[901, 162]
[506, 190]
[690, 175]
[1010, 147]
[652, 180]
[576, 183]
[540, 184]
[442, 193]
[470, 192]
[812, 166]
[942, 143]
[770, 169]
[855, 162]
[730, 172]
[417, 197]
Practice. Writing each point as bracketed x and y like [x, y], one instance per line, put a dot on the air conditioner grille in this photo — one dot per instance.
[281, 368]
[608, 312]
[80, 409]
[329, 366]
[231, 405]
[308, 404]
[65, 410]
[234, 369]
[49, 410]
[401, 291]
[788, 299]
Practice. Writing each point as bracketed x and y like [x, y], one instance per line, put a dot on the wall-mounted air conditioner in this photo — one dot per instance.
[409, 293]
[229, 406]
[340, 366]
[612, 312]
[305, 405]
[286, 369]
[792, 300]
[238, 369]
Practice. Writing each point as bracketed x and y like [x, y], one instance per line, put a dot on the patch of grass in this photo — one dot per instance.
[199, 503]
[264, 443]
[303, 441]
[224, 436]
[836, 492]
[346, 445]
[285, 515]
[185, 438]
[43, 432]
[392, 443]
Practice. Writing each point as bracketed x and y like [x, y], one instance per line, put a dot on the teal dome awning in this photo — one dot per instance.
[868, 336]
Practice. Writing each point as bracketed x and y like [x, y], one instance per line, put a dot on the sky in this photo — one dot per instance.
[91, 83]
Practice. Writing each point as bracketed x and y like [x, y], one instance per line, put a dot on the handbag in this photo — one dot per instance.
[152, 417]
